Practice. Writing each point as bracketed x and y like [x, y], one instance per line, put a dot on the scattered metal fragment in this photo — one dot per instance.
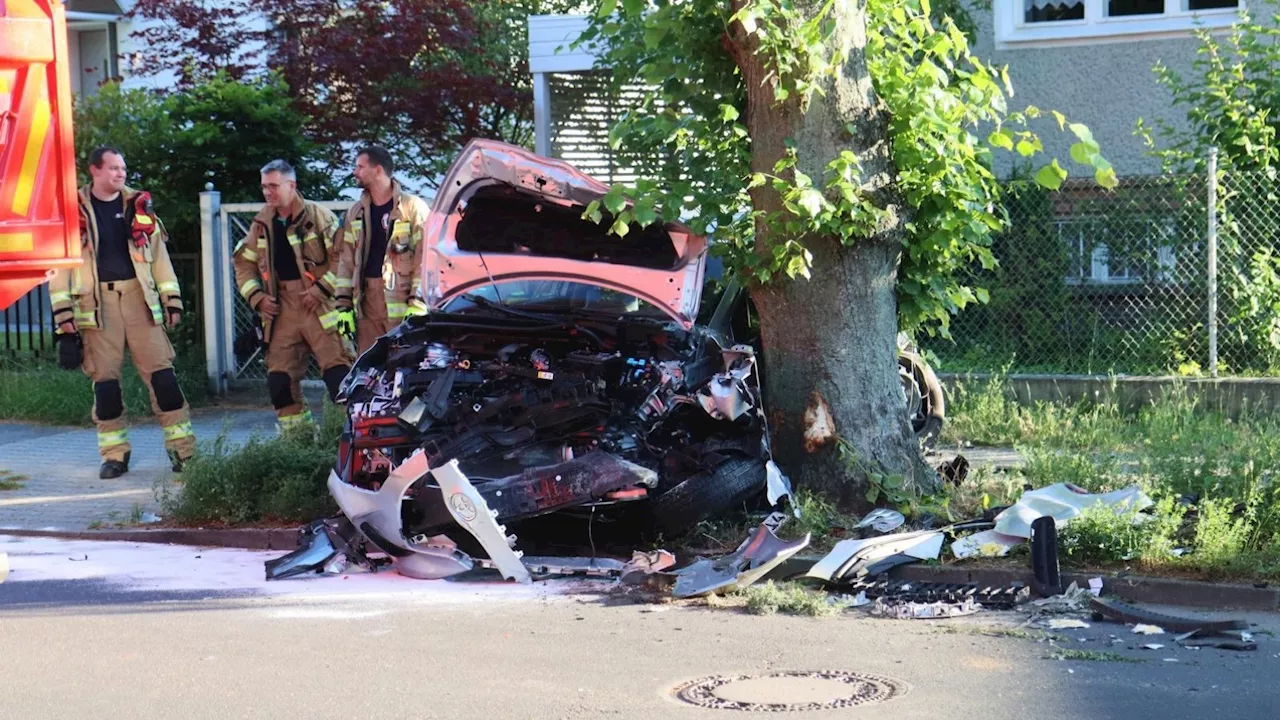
[1072, 600]
[1067, 624]
[323, 546]
[852, 559]
[1141, 629]
[1063, 502]
[997, 598]
[1152, 646]
[1123, 612]
[905, 610]
[1218, 643]
[589, 567]
[883, 520]
[755, 557]
[987, 543]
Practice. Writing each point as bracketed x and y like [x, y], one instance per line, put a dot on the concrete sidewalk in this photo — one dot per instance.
[61, 489]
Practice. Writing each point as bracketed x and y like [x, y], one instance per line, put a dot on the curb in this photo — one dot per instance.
[1132, 588]
[244, 538]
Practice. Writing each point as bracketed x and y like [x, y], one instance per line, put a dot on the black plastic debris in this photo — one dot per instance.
[1044, 557]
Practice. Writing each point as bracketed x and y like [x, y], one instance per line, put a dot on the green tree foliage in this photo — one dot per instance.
[689, 142]
[218, 131]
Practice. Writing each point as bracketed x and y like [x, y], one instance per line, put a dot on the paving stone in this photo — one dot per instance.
[62, 490]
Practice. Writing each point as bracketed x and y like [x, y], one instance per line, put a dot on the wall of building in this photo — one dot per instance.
[1107, 85]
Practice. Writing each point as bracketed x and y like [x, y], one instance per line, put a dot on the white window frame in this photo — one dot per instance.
[1012, 31]
[1095, 268]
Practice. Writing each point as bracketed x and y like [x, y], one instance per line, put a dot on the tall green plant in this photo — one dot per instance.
[1231, 101]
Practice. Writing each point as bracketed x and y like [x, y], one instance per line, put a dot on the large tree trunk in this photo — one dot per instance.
[830, 372]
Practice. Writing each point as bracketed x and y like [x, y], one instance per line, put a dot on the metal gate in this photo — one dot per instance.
[226, 315]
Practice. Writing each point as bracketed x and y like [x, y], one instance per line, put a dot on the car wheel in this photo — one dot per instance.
[926, 407]
[707, 494]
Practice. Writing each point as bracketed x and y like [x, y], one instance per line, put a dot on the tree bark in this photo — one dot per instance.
[829, 367]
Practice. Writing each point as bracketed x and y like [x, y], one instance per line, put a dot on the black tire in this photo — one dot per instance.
[928, 418]
[707, 494]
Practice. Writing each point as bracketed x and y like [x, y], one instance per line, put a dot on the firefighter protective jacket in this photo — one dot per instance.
[74, 292]
[310, 231]
[402, 265]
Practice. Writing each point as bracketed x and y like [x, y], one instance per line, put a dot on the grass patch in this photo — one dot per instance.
[275, 479]
[771, 598]
[40, 391]
[1213, 479]
[1091, 655]
[9, 481]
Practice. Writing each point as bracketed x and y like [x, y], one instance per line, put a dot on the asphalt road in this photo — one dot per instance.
[121, 630]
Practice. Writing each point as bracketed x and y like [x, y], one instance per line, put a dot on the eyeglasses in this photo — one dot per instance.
[273, 186]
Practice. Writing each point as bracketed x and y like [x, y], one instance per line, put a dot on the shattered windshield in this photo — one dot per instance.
[555, 296]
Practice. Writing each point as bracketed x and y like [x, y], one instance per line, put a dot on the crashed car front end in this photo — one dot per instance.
[560, 371]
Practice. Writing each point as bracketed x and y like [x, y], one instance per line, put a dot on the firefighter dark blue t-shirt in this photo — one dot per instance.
[286, 266]
[114, 262]
[379, 225]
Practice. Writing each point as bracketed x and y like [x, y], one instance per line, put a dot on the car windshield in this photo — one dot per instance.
[555, 295]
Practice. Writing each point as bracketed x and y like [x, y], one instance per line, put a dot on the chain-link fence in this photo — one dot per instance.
[247, 359]
[1096, 281]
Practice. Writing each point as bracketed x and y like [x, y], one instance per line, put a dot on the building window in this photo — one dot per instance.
[1044, 11]
[1039, 23]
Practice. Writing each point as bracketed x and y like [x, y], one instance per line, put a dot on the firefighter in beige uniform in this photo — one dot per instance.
[123, 295]
[380, 244]
[285, 271]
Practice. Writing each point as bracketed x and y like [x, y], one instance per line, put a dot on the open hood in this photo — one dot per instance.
[504, 213]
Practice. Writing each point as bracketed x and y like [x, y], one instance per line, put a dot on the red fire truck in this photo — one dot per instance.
[39, 221]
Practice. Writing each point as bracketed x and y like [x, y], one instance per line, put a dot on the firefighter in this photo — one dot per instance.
[123, 295]
[380, 243]
[285, 271]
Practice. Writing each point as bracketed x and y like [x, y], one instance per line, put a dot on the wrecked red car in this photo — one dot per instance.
[563, 369]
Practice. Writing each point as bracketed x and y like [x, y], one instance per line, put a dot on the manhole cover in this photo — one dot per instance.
[790, 691]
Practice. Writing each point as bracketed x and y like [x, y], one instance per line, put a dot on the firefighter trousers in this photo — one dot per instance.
[296, 334]
[126, 322]
[373, 322]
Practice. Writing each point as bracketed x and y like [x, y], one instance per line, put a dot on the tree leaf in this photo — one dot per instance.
[620, 226]
[728, 113]
[811, 201]
[1082, 132]
[614, 202]
[1051, 175]
[645, 214]
[1081, 153]
[1001, 138]
[1106, 177]
[606, 8]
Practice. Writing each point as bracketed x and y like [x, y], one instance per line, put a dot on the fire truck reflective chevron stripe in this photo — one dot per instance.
[21, 202]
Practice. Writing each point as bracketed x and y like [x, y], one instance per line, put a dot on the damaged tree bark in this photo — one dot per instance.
[830, 374]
